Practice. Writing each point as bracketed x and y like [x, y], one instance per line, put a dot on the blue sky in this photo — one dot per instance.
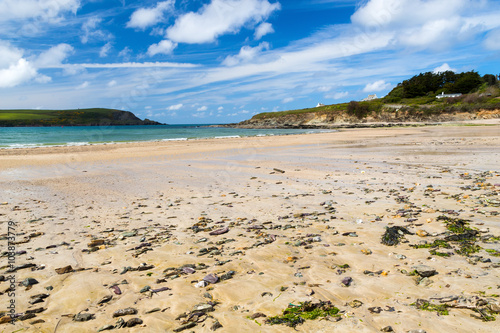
[221, 61]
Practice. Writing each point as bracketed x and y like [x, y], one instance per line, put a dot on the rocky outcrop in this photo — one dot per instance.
[339, 119]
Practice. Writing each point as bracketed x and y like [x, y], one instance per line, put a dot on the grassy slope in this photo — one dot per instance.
[428, 104]
[57, 117]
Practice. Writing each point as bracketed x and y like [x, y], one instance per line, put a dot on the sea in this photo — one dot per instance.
[25, 137]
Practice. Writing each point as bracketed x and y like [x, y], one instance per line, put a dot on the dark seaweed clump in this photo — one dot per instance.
[393, 235]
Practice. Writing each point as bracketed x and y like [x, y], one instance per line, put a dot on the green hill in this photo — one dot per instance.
[76, 117]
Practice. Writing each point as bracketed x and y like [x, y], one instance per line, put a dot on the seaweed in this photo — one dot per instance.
[393, 235]
[422, 304]
[297, 314]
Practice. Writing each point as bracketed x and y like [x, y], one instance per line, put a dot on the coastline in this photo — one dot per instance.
[292, 205]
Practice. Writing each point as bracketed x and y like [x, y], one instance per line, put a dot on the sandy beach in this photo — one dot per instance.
[223, 234]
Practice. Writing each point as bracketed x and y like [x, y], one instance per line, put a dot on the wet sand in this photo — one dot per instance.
[297, 209]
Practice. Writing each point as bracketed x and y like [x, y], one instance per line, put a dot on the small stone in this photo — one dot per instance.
[106, 328]
[376, 309]
[152, 310]
[387, 329]
[347, 281]
[29, 282]
[425, 271]
[203, 307]
[418, 331]
[366, 251]
[219, 231]
[144, 289]
[201, 284]
[216, 325]
[116, 290]
[400, 257]
[309, 292]
[355, 304]
[96, 242]
[211, 278]
[5, 320]
[184, 327]
[133, 322]
[257, 315]
[37, 321]
[124, 312]
[422, 233]
[105, 299]
[64, 270]
[26, 316]
[83, 317]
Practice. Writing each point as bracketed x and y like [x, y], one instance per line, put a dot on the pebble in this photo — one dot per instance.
[184, 327]
[425, 271]
[106, 328]
[124, 312]
[64, 270]
[105, 299]
[83, 317]
[387, 329]
[347, 281]
[133, 322]
[211, 278]
[29, 282]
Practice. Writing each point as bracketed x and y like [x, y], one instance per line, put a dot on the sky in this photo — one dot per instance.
[222, 61]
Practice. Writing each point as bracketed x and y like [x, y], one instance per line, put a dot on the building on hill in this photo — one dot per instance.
[443, 95]
[320, 104]
[369, 98]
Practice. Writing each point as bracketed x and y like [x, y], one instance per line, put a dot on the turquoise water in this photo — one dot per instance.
[22, 137]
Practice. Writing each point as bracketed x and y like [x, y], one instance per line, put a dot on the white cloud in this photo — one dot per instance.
[219, 17]
[45, 10]
[287, 100]
[443, 68]
[202, 108]
[112, 83]
[129, 65]
[125, 53]
[377, 86]
[90, 32]
[83, 85]
[492, 41]
[324, 88]
[246, 54]
[17, 73]
[54, 56]
[105, 50]
[175, 107]
[220, 108]
[339, 95]
[263, 29]
[164, 47]
[147, 17]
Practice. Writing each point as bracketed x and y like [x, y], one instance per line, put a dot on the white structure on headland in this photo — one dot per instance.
[320, 104]
[443, 95]
[369, 98]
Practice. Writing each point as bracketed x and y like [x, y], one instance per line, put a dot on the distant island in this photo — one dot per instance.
[75, 117]
[424, 98]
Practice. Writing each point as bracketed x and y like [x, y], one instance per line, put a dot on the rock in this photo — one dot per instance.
[133, 322]
[203, 307]
[376, 309]
[124, 312]
[152, 310]
[425, 271]
[116, 290]
[201, 284]
[5, 320]
[83, 317]
[37, 321]
[387, 329]
[96, 242]
[422, 233]
[144, 289]
[211, 278]
[219, 231]
[278, 170]
[29, 282]
[130, 233]
[425, 282]
[105, 299]
[106, 328]
[257, 315]
[26, 316]
[184, 327]
[355, 304]
[64, 270]
[216, 325]
[347, 281]
[418, 331]
[309, 292]
[227, 276]
[400, 256]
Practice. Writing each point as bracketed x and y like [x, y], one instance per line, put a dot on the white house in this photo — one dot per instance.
[443, 95]
[320, 104]
[369, 98]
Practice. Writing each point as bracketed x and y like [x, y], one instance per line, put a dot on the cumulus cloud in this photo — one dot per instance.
[112, 83]
[164, 47]
[175, 107]
[219, 17]
[287, 100]
[15, 69]
[246, 54]
[143, 18]
[443, 68]
[339, 95]
[83, 85]
[54, 56]
[45, 10]
[263, 29]
[202, 108]
[377, 86]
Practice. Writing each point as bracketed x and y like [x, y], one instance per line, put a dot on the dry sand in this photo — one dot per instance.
[286, 240]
